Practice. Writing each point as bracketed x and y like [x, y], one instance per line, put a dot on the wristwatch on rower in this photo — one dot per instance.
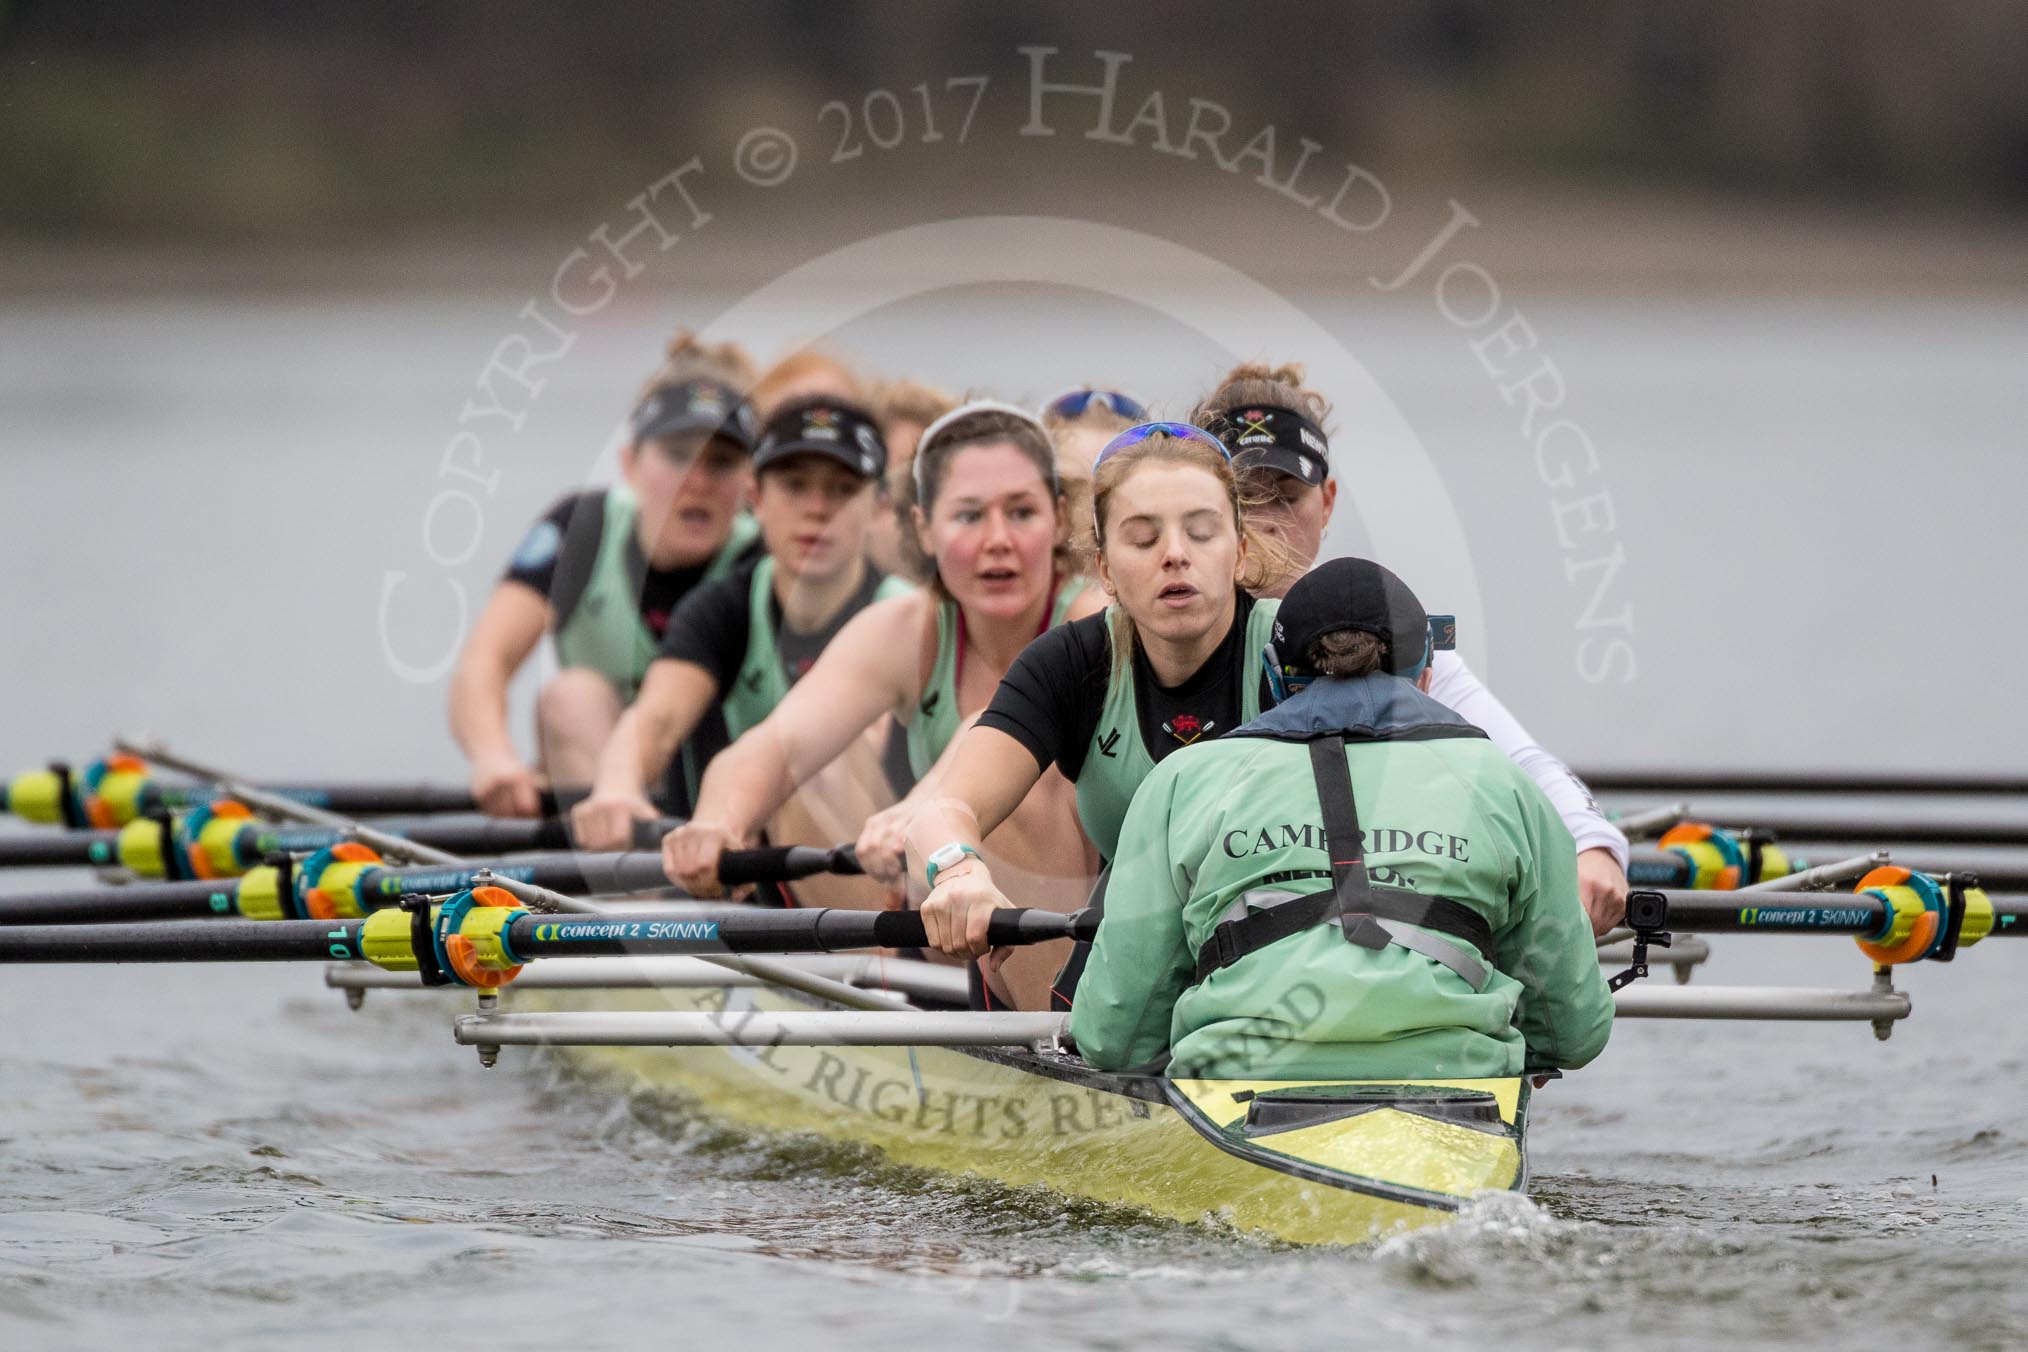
[943, 857]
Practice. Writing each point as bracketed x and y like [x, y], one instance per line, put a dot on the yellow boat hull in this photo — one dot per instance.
[1307, 1162]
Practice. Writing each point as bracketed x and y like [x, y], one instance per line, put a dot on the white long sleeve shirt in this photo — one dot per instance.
[1453, 685]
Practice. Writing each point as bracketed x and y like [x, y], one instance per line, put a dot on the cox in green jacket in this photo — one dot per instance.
[1232, 828]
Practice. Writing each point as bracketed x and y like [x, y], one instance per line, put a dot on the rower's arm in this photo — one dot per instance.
[1454, 685]
[866, 671]
[983, 776]
[674, 698]
[1566, 1012]
[1140, 962]
[507, 630]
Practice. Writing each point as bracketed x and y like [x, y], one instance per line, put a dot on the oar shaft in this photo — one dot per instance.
[529, 935]
[1799, 781]
[759, 1028]
[1779, 912]
[1658, 868]
[361, 799]
[133, 902]
[59, 849]
[761, 931]
[577, 874]
[1885, 830]
[1993, 868]
[184, 941]
[574, 874]
[1751, 912]
[487, 837]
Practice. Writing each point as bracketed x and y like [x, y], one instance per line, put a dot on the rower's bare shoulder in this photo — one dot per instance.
[1089, 602]
[892, 621]
[880, 645]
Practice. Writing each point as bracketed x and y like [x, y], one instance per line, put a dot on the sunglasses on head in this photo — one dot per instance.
[1135, 435]
[1073, 402]
[1140, 432]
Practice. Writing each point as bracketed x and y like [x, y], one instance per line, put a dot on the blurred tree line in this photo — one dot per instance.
[242, 119]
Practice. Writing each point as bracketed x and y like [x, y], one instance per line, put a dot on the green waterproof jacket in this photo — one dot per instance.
[1223, 824]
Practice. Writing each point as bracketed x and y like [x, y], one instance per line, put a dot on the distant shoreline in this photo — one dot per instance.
[1576, 241]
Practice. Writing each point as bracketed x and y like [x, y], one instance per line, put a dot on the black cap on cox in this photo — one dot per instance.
[822, 425]
[709, 406]
[1361, 595]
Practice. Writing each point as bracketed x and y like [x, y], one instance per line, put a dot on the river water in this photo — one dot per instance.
[201, 1156]
[206, 499]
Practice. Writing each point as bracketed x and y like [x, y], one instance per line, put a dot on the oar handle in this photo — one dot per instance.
[648, 834]
[1010, 926]
[785, 863]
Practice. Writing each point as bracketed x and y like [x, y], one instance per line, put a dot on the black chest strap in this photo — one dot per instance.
[1371, 916]
[577, 557]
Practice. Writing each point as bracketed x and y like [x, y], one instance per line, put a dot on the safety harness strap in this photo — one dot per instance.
[1370, 916]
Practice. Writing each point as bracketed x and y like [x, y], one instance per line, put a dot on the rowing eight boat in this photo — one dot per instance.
[1309, 1162]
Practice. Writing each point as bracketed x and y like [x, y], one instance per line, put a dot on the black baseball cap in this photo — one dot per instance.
[1359, 594]
[1269, 436]
[825, 426]
[704, 405]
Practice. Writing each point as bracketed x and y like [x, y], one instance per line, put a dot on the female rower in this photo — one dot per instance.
[601, 573]
[738, 644]
[904, 408]
[1081, 421]
[989, 515]
[1174, 660]
[1249, 944]
[1274, 426]
[804, 373]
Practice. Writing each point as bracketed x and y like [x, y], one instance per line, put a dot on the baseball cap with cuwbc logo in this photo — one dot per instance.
[824, 426]
[709, 406]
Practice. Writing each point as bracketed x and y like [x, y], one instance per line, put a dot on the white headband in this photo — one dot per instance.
[929, 435]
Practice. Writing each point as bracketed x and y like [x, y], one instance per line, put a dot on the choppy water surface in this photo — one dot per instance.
[207, 1155]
